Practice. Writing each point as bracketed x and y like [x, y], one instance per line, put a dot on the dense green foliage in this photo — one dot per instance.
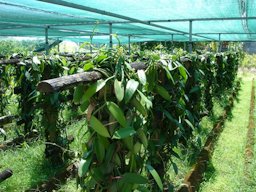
[137, 120]
[9, 47]
[249, 61]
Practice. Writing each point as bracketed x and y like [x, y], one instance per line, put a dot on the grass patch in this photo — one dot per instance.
[189, 154]
[227, 170]
[28, 165]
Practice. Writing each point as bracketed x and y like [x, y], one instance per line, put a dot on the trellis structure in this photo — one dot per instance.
[131, 21]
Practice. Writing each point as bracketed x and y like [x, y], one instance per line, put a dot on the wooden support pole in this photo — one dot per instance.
[61, 83]
[56, 84]
[9, 61]
[19, 140]
[7, 119]
[5, 174]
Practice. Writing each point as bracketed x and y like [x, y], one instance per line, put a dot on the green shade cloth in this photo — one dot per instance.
[144, 20]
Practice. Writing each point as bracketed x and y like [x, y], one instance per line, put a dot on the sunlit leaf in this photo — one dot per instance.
[99, 127]
[119, 90]
[155, 176]
[131, 87]
[84, 166]
[123, 133]
[117, 113]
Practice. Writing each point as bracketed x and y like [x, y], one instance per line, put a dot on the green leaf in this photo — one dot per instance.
[84, 106]
[169, 116]
[27, 75]
[183, 73]
[142, 189]
[151, 77]
[143, 137]
[36, 60]
[163, 92]
[175, 168]
[168, 74]
[117, 113]
[110, 153]
[128, 141]
[142, 76]
[134, 178]
[138, 106]
[155, 56]
[123, 133]
[119, 90]
[145, 100]
[78, 93]
[84, 166]
[94, 88]
[99, 149]
[137, 147]
[155, 176]
[99, 127]
[101, 58]
[131, 87]
[189, 124]
[190, 116]
[194, 89]
[88, 66]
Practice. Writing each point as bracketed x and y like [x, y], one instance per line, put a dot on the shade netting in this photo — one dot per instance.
[137, 21]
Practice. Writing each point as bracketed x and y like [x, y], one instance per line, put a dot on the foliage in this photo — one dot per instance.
[138, 119]
[249, 61]
[9, 47]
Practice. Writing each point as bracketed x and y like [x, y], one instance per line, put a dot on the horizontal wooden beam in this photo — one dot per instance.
[9, 61]
[5, 174]
[33, 135]
[61, 83]
[7, 119]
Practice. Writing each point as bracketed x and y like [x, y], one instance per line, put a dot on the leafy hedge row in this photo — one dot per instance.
[138, 119]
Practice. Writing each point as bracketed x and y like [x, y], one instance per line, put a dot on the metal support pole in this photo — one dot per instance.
[58, 46]
[172, 42]
[129, 44]
[91, 44]
[220, 44]
[46, 40]
[190, 37]
[110, 36]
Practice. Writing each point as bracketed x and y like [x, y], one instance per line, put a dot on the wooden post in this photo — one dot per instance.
[1, 94]
[50, 105]
[64, 82]
[5, 174]
[53, 149]
[26, 104]
[6, 119]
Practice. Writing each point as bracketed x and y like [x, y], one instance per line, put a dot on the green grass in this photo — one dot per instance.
[249, 61]
[28, 165]
[189, 154]
[226, 172]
